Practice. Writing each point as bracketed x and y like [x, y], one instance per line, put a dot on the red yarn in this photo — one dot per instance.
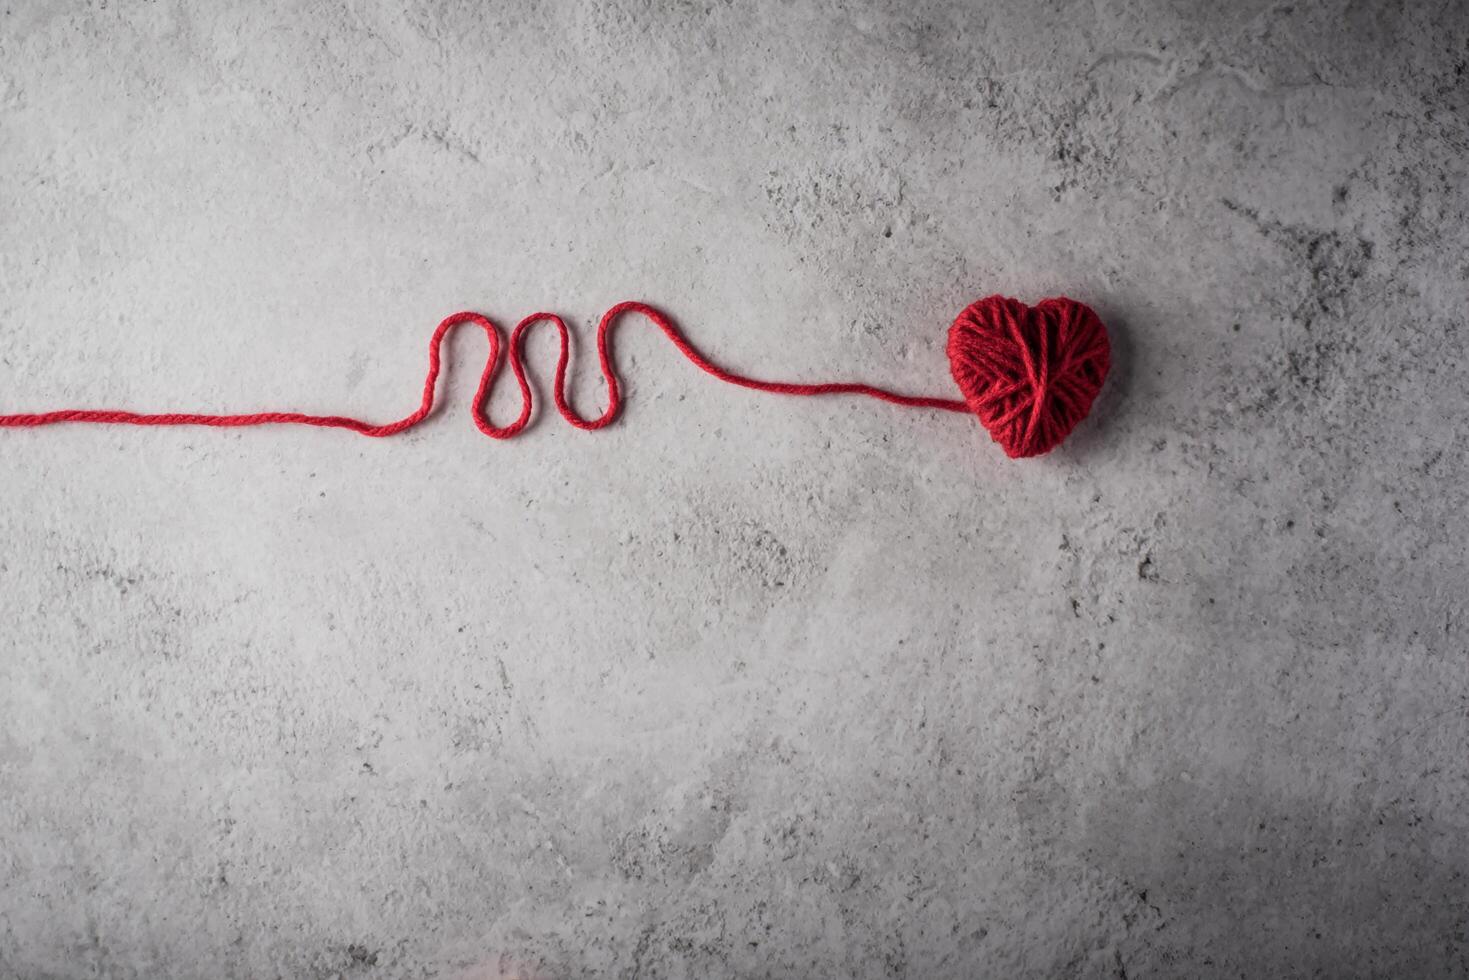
[983, 353]
[1029, 373]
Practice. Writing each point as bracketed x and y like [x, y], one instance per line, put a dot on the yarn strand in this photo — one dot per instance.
[479, 407]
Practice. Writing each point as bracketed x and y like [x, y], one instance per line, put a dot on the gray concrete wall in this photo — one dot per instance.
[744, 686]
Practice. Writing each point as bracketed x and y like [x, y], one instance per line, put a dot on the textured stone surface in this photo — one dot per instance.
[743, 686]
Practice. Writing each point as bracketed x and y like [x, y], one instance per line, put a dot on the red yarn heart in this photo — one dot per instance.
[1030, 373]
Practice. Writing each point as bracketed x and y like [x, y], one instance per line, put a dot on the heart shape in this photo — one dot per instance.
[1030, 373]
